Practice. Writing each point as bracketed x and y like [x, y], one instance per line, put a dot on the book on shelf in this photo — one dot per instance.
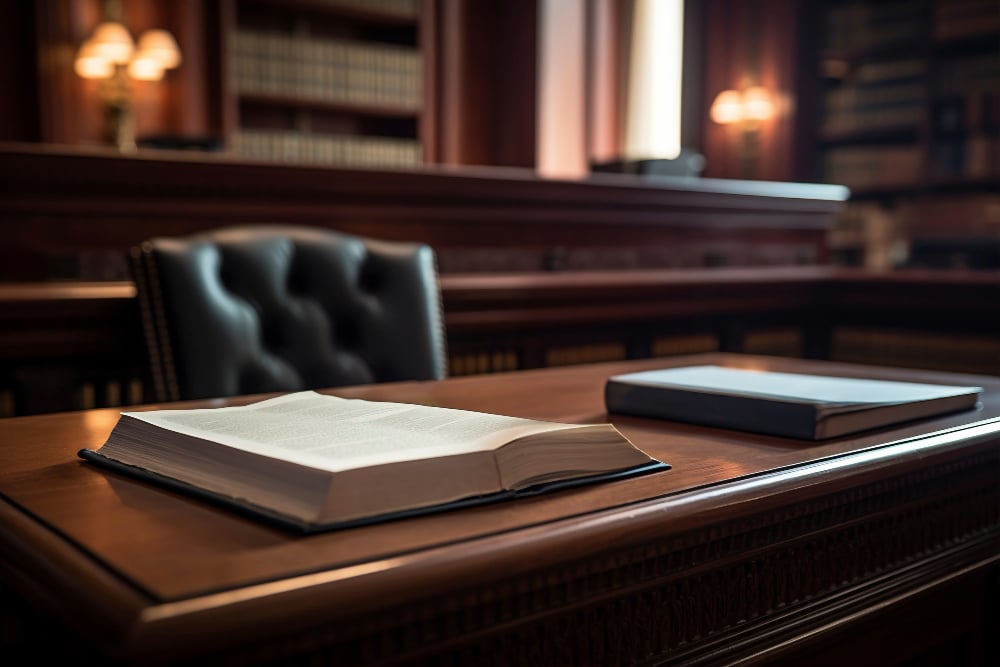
[312, 462]
[355, 151]
[795, 405]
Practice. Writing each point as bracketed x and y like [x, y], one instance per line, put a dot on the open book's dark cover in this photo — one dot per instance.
[291, 523]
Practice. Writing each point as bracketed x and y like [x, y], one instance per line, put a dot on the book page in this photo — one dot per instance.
[795, 386]
[334, 434]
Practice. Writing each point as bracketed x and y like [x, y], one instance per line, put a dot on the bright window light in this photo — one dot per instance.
[653, 125]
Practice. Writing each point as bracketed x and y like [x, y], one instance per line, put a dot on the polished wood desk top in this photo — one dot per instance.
[147, 572]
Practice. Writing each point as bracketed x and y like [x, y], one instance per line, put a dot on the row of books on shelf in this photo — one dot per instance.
[974, 156]
[968, 354]
[873, 166]
[850, 96]
[960, 105]
[882, 71]
[401, 8]
[361, 151]
[972, 74]
[858, 108]
[970, 112]
[969, 157]
[330, 70]
[868, 233]
[847, 120]
[972, 217]
[955, 19]
[859, 25]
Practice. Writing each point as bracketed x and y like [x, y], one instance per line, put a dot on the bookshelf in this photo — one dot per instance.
[909, 119]
[336, 82]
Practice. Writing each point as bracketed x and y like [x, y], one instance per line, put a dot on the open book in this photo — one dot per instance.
[313, 462]
[796, 405]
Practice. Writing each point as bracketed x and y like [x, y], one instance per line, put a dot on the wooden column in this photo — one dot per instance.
[486, 72]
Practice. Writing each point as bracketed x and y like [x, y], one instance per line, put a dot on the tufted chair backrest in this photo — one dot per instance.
[261, 308]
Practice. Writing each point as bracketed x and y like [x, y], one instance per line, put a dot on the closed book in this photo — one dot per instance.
[795, 405]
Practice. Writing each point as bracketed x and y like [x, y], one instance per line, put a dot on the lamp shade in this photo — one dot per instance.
[727, 107]
[757, 103]
[90, 63]
[160, 46]
[749, 105]
[145, 69]
[113, 41]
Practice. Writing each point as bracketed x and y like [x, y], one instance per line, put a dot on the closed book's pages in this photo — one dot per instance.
[794, 405]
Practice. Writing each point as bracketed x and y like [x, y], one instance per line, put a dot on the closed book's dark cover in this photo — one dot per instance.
[793, 405]
[295, 525]
[771, 417]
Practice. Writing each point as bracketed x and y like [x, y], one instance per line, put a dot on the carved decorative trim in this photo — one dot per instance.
[154, 323]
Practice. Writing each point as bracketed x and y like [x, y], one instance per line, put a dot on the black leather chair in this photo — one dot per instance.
[264, 308]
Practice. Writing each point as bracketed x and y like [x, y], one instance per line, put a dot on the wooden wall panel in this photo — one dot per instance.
[19, 75]
[485, 67]
[747, 43]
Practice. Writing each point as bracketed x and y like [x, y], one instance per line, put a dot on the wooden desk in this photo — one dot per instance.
[876, 548]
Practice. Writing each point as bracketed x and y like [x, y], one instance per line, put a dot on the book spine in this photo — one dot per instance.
[758, 415]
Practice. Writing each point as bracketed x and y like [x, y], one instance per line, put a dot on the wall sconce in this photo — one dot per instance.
[750, 105]
[745, 109]
[112, 56]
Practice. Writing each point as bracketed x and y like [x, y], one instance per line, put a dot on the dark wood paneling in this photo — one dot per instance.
[19, 75]
[61, 203]
[485, 60]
